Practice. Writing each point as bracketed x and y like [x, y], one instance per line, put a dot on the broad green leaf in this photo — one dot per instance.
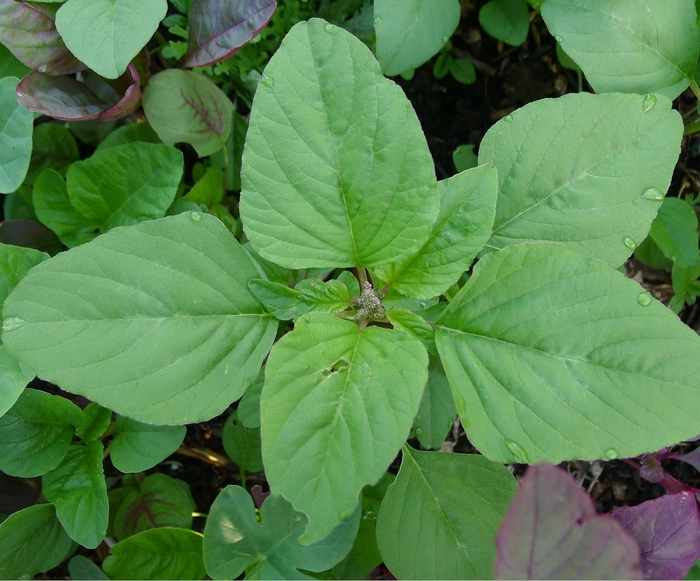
[128, 134]
[36, 433]
[137, 447]
[96, 422]
[329, 386]
[54, 148]
[230, 162]
[308, 295]
[464, 158]
[410, 32]
[15, 137]
[15, 263]
[163, 330]
[415, 325]
[32, 541]
[125, 185]
[249, 407]
[553, 356]
[630, 46]
[234, 540]
[242, 444]
[54, 209]
[506, 20]
[159, 501]
[163, 553]
[208, 190]
[107, 34]
[437, 411]
[675, 230]
[358, 187]
[10, 66]
[78, 491]
[187, 106]
[440, 517]
[467, 210]
[81, 568]
[14, 377]
[587, 171]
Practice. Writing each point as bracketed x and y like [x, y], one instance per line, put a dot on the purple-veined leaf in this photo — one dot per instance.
[667, 530]
[66, 98]
[28, 30]
[692, 458]
[219, 28]
[552, 531]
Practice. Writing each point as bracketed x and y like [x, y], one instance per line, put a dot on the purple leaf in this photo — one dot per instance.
[28, 30]
[219, 28]
[667, 530]
[68, 99]
[692, 458]
[552, 531]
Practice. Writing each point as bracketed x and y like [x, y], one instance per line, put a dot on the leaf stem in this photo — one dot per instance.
[694, 87]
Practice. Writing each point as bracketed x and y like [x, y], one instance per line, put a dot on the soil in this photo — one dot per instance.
[454, 114]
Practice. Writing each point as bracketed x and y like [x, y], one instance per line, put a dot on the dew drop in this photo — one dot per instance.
[419, 431]
[345, 515]
[648, 103]
[369, 515]
[445, 39]
[653, 194]
[12, 323]
[20, 94]
[328, 28]
[508, 118]
[267, 81]
[195, 216]
[644, 298]
[42, 68]
[611, 454]
[518, 451]
[558, 39]
[631, 244]
[377, 20]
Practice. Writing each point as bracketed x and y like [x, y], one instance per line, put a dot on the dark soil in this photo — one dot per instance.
[453, 114]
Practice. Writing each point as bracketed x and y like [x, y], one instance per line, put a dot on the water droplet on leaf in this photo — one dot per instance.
[631, 244]
[267, 81]
[653, 194]
[12, 323]
[558, 39]
[42, 68]
[419, 431]
[195, 216]
[345, 515]
[20, 94]
[644, 299]
[611, 454]
[508, 118]
[328, 28]
[648, 103]
[445, 39]
[518, 451]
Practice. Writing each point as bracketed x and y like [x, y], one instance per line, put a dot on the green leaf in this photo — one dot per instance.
[54, 148]
[467, 210]
[234, 540]
[36, 432]
[32, 541]
[137, 447]
[78, 491]
[81, 568]
[675, 230]
[15, 263]
[10, 66]
[587, 171]
[415, 325]
[446, 507]
[55, 210]
[16, 124]
[329, 386]
[309, 295]
[464, 158]
[242, 444]
[553, 356]
[463, 71]
[184, 106]
[231, 162]
[208, 190]
[249, 407]
[97, 420]
[107, 34]
[159, 501]
[163, 553]
[165, 300]
[506, 20]
[125, 185]
[128, 134]
[358, 187]
[14, 377]
[410, 32]
[627, 45]
[437, 410]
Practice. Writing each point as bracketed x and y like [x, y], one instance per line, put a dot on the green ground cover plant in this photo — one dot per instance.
[344, 303]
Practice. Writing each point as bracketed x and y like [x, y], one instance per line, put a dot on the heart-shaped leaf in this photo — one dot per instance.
[552, 531]
[28, 30]
[107, 34]
[328, 384]
[166, 300]
[358, 187]
[219, 29]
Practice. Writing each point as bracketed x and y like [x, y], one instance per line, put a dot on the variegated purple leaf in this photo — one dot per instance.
[28, 30]
[552, 531]
[219, 28]
[65, 98]
[667, 530]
